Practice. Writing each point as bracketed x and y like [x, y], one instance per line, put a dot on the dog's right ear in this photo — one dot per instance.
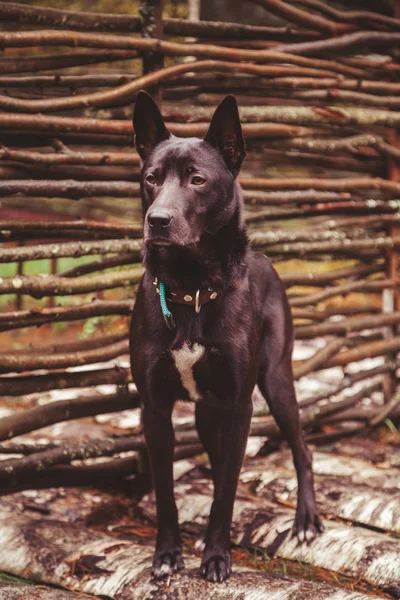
[148, 124]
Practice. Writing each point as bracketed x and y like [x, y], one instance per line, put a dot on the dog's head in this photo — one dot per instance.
[187, 185]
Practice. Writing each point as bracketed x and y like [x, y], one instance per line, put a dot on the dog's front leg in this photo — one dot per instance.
[232, 431]
[159, 435]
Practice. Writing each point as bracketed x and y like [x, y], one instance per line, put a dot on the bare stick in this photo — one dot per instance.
[345, 288]
[71, 249]
[65, 410]
[29, 384]
[68, 19]
[36, 317]
[52, 285]
[343, 43]
[346, 326]
[19, 363]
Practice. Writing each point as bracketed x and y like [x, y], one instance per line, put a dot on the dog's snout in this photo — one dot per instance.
[159, 218]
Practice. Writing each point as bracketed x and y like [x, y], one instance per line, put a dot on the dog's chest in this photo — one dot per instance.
[185, 358]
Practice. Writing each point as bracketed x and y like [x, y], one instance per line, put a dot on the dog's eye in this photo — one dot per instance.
[150, 179]
[197, 180]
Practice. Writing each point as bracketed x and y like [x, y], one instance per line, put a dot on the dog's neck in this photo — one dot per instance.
[215, 262]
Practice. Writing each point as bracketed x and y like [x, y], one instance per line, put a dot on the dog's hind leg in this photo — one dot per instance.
[157, 424]
[224, 435]
[276, 384]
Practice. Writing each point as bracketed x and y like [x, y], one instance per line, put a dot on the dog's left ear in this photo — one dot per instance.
[225, 134]
[148, 124]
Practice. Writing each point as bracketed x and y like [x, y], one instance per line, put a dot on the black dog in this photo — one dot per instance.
[223, 326]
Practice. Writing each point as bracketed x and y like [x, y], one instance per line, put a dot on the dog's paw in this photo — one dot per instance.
[307, 523]
[217, 568]
[167, 563]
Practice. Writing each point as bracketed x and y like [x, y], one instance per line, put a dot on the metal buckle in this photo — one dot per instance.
[197, 305]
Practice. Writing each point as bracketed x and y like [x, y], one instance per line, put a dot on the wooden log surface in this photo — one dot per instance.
[26, 591]
[357, 552]
[59, 552]
[336, 496]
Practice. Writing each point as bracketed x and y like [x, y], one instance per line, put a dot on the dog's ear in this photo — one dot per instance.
[225, 134]
[148, 124]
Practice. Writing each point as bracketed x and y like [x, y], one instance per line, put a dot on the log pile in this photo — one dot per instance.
[320, 102]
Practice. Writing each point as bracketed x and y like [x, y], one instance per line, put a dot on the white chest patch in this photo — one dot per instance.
[185, 358]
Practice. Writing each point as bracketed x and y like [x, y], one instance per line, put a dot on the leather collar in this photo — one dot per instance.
[189, 297]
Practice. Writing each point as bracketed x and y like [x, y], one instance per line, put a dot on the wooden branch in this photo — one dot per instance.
[101, 265]
[71, 158]
[303, 18]
[319, 358]
[342, 289]
[323, 278]
[385, 412]
[348, 381]
[77, 189]
[370, 350]
[346, 326]
[29, 384]
[68, 19]
[63, 61]
[351, 144]
[35, 418]
[52, 285]
[78, 228]
[343, 43]
[359, 17]
[343, 245]
[124, 131]
[348, 184]
[347, 97]
[71, 249]
[36, 317]
[293, 197]
[68, 188]
[21, 39]
[297, 83]
[18, 363]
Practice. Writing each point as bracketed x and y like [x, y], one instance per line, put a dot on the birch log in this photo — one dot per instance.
[64, 554]
[336, 497]
[17, 591]
[353, 551]
[357, 470]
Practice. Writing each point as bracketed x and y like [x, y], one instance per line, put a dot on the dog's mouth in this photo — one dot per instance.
[159, 241]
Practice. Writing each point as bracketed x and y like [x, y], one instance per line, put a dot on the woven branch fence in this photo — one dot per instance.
[319, 91]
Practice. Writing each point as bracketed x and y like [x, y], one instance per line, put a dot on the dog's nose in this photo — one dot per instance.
[159, 218]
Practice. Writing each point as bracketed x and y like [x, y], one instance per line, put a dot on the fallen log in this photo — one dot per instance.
[353, 551]
[19, 590]
[63, 553]
[336, 497]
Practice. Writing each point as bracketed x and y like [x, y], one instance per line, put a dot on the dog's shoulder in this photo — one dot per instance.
[266, 283]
